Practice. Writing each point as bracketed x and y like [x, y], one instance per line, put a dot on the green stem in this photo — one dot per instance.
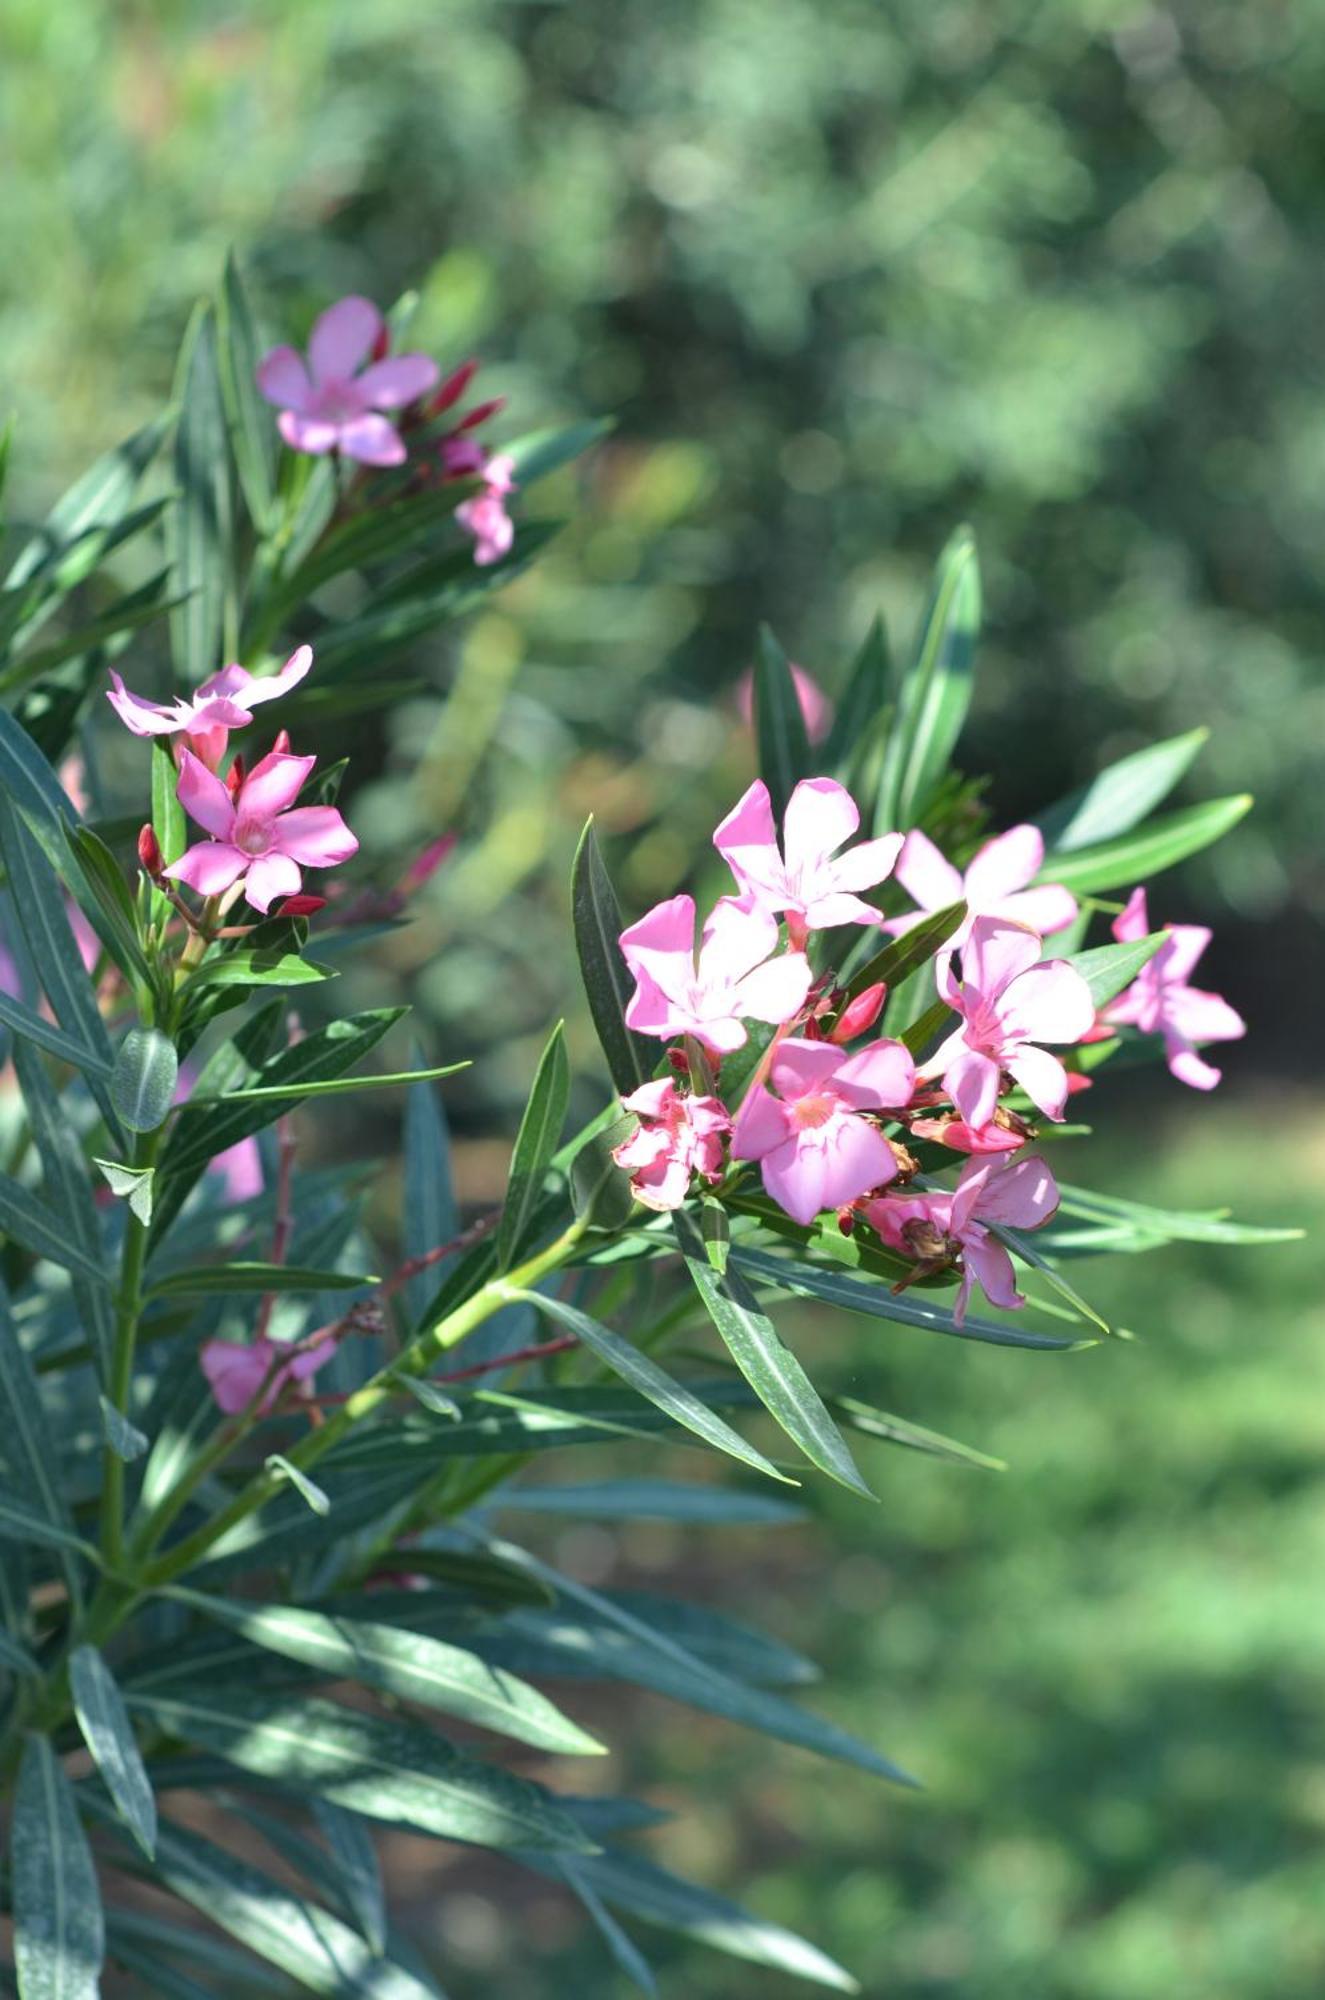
[128, 1307]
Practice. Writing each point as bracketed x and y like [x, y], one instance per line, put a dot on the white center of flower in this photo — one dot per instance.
[251, 836]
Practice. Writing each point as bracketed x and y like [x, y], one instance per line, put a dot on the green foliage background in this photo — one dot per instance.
[846, 273]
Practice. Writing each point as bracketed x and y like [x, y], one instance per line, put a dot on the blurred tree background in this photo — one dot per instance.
[845, 274]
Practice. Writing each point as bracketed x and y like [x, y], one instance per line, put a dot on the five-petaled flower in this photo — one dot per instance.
[204, 720]
[236, 1370]
[485, 517]
[1160, 1002]
[335, 403]
[935, 1229]
[678, 1136]
[255, 836]
[735, 978]
[802, 878]
[996, 884]
[814, 1148]
[1009, 1002]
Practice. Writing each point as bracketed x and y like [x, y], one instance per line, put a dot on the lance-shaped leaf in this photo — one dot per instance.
[936, 692]
[889, 1429]
[251, 1279]
[360, 1876]
[142, 1087]
[768, 1365]
[27, 781]
[641, 1373]
[105, 896]
[432, 1214]
[652, 1500]
[1108, 968]
[607, 982]
[1168, 1225]
[866, 695]
[70, 1203]
[199, 521]
[407, 1664]
[625, 1952]
[538, 453]
[34, 1028]
[535, 1144]
[248, 421]
[36, 1226]
[59, 1931]
[879, 1301]
[261, 968]
[341, 1086]
[108, 1733]
[784, 744]
[1130, 858]
[98, 499]
[169, 822]
[385, 1769]
[909, 952]
[158, 1952]
[1121, 795]
[124, 1439]
[37, 900]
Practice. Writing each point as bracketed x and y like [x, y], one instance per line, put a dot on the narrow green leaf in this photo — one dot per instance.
[125, 617]
[1130, 858]
[249, 422]
[108, 899]
[1108, 968]
[880, 1424]
[651, 1381]
[21, 1523]
[108, 1734]
[538, 453]
[864, 698]
[70, 1203]
[199, 528]
[99, 498]
[38, 1228]
[124, 1439]
[784, 746]
[535, 1143]
[59, 1931]
[142, 1087]
[360, 1876]
[607, 982]
[261, 968]
[432, 1214]
[921, 1033]
[1120, 796]
[879, 1301]
[169, 822]
[15, 1658]
[628, 1957]
[254, 1280]
[27, 781]
[909, 952]
[651, 1500]
[34, 1028]
[39, 905]
[342, 1086]
[1170, 1225]
[936, 692]
[769, 1366]
[431, 1397]
[385, 1769]
[309, 1492]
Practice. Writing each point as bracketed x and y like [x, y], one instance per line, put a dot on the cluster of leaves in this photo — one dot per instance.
[184, 1593]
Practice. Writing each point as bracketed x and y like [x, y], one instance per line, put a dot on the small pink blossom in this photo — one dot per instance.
[240, 1168]
[937, 1228]
[1160, 1002]
[734, 980]
[802, 878]
[678, 1136]
[335, 402]
[256, 838]
[956, 1134]
[815, 707]
[237, 1371]
[485, 517]
[203, 722]
[814, 1148]
[995, 884]
[1009, 1002]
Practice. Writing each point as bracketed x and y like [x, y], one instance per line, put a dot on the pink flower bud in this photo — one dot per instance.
[425, 865]
[301, 906]
[150, 858]
[453, 388]
[480, 413]
[859, 1014]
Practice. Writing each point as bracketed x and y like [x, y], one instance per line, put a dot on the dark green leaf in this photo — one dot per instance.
[108, 1733]
[432, 1215]
[878, 1300]
[59, 1931]
[39, 905]
[538, 453]
[255, 1280]
[199, 523]
[261, 968]
[334, 1087]
[248, 420]
[897, 1430]
[651, 1500]
[909, 952]
[1110, 967]
[1134, 857]
[535, 1144]
[169, 822]
[37, 1227]
[34, 1028]
[355, 1859]
[607, 982]
[784, 746]
[864, 698]
[142, 1087]
[70, 1201]
[107, 898]
[936, 692]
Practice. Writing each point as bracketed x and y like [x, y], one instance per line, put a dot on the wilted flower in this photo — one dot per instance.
[485, 517]
[1009, 1001]
[205, 719]
[335, 402]
[802, 878]
[734, 980]
[237, 1371]
[678, 1136]
[1160, 1002]
[994, 885]
[814, 1148]
[935, 1229]
[256, 838]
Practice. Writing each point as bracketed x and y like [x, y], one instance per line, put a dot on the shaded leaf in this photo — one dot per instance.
[535, 1144]
[607, 982]
[784, 745]
[108, 1733]
[59, 1931]
[199, 525]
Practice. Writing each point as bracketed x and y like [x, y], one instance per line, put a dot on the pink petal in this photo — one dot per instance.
[651, 1100]
[1189, 1067]
[270, 686]
[1043, 1079]
[828, 1166]
[989, 1264]
[283, 379]
[1179, 956]
[734, 940]
[882, 1076]
[371, 440]
[1133, 923]
[235, 1372]
[972, 1081]
[1046, 909]
[664, 933]
[747, 842]
[995, 954]
[820, 815]
[308, 1360]
[801, 1066]
[311, 434]
[210, 867]
[270, 876]
[777, 991]
[721, 1034]
[240, 1166]
[823, 913]
[315, 835]
[867, 864]
[389, 385]
[343, 338]
[761, 1124]
[204, 797]
[1050, 1003]
[1205, 1017]
[924, 873]
[653, 1011]
[143, 718]
[271, 786]
[1003, 866]
[1021, 1193]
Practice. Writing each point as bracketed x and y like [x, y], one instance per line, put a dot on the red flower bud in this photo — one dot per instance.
[425, 865]
[453, 388]
[235, 777]
[150, 858]
[680, 1061]
[382, 345]
[859, 1014]
[480, 413]
[281, 747]
[301, 906]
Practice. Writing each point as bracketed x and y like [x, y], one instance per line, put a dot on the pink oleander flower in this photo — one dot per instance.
[335, 402]
[1160, 1002]
[678, 1136]
[240, 1168]
[995, 884]
[815, 707]
[236, 1371]
[814, 1149]
[734, 980]
[802, 878]
[1009, 1002]
[485, 517]
[955, 1133]
[936, 1229]
[204, 721]
[256, 838]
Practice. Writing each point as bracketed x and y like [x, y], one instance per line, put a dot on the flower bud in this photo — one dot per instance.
[301, 906]
[859, 1014]
[425, 865]
[382, 344]
[680, 1061]
[453, 388]
[281, 747]
[150, 858]
[480, 413]
[235, 778]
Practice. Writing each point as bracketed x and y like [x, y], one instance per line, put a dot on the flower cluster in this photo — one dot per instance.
[337, 399]
[834, 1120]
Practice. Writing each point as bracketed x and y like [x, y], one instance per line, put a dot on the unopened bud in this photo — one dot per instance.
[424, 866]
[150, 858]
[382, 344]
[859, 1014]
[301, 906]
[846, 1221]
[281, 747]
[680, 1061]
[234, 777]
[480, 413]
[453, 388]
